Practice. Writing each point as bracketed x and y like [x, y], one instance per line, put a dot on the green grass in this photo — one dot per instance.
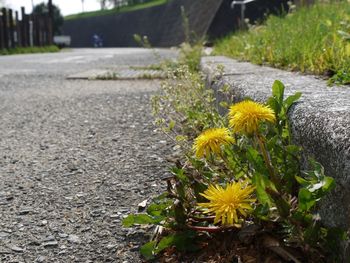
[116, 10]
[28, 50]
[312, 40]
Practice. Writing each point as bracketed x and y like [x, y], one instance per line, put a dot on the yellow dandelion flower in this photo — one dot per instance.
[229, 204]
[211, 140]
[245, 116]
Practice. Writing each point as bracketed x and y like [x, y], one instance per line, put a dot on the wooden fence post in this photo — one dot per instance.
[39, 31]
[34, 19]
[18, 30]
[24, 28]
[50, 27]
[31, 30]
[2, 45]
[42, 30]
[5, 28]
[49, 30]
[11, 30]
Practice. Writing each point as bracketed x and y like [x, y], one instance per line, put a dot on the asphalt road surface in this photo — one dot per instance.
[76, 156]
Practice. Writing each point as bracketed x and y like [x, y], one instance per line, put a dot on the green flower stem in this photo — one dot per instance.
[211, 158]
[227, 163]
[267, 160]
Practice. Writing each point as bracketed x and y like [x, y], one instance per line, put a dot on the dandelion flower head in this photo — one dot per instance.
[211, 140]
[245, 116]
[229, 204]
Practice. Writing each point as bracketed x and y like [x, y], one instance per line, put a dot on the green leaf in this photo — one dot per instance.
[317, 182]
[283, 206]
[306, 199]
[164, 243]
[291, 99]
[182, 241]
[278, 91]
[271, 143]
[158, 210]
[198, 164]
[329, 184]
[301, 181]
[256, 160]
[141, 219]
[314, 187]
[161, 198]
[273, 103]
[302, 217]
[262, 211]
[261, 182]
[185, 241]
[293, 149]
[180, 174]
[147, 250]
[199, 188]
[318, 169]
[171, 125]
[322, 187]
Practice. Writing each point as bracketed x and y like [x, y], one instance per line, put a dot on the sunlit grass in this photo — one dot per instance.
[313, 40]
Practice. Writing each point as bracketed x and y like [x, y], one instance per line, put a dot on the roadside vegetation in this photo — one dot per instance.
[237, 191]
[313, 39]
[28, 50]
[117, 10]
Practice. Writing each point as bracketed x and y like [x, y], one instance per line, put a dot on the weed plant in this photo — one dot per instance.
[314, 39]
[234, 175]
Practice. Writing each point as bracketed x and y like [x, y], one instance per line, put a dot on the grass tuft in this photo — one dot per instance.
[312, 39]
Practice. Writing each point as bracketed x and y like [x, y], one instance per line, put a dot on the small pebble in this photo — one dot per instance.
[51, 244]
[16, 249]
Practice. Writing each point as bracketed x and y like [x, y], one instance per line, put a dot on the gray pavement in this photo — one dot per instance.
[76, 156]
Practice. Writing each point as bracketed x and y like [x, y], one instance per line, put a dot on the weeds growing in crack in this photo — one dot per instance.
[236, 175]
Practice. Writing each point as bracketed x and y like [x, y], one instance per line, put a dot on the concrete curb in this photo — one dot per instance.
[320, 120]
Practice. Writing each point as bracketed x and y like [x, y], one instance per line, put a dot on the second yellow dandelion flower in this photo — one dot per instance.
[211, 140]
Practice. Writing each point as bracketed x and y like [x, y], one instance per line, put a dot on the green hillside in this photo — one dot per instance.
[116, 10]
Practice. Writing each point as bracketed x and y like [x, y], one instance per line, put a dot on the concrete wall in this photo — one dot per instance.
[161, 24]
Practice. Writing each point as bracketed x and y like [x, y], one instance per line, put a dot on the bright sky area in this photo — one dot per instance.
[67, 6]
